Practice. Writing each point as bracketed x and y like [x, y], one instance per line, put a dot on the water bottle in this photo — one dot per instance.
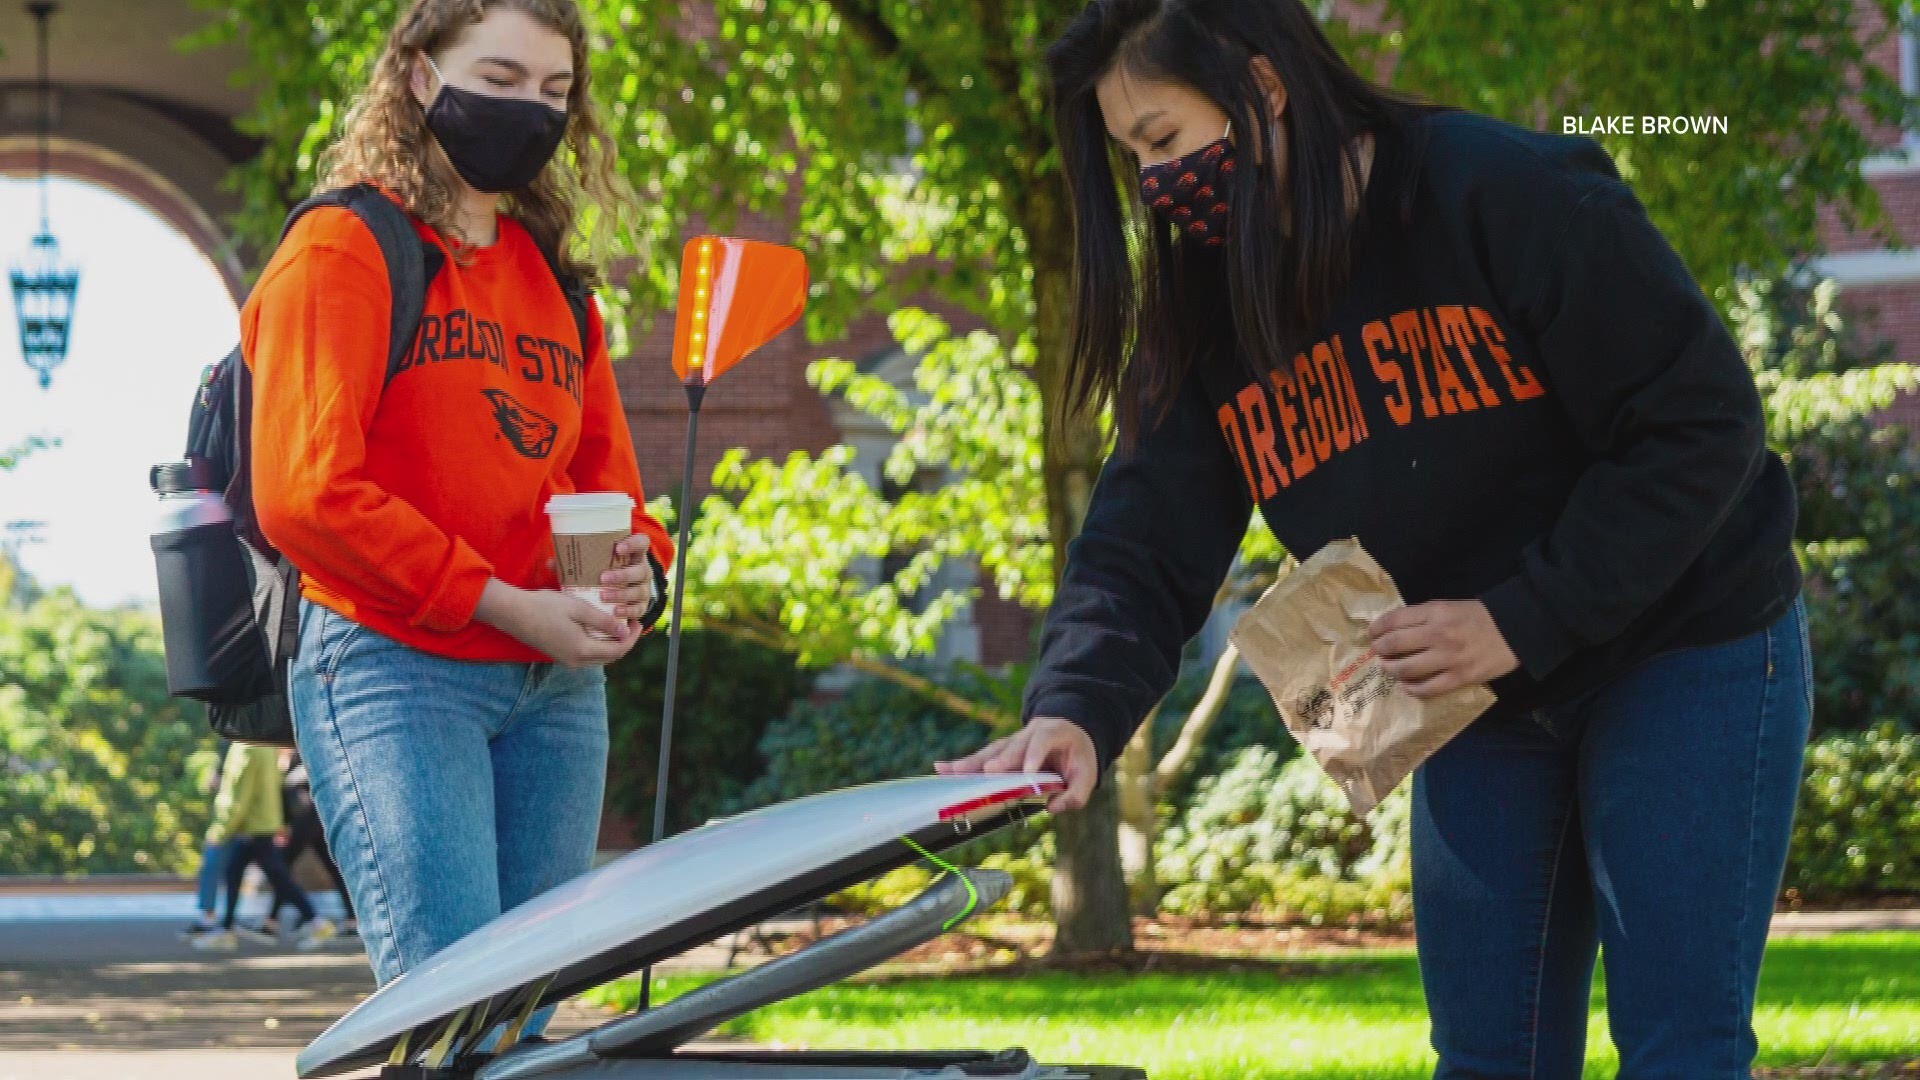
[187, 499]
[206, 592]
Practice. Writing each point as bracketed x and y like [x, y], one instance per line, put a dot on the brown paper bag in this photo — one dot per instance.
[1307, 641]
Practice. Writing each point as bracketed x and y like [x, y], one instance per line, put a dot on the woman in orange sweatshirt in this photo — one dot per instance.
[448, 699]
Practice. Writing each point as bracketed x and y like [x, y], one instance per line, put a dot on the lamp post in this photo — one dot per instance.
[44, 286]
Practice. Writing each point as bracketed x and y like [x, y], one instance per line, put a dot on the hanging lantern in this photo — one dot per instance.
[43, 293]
[44, 287]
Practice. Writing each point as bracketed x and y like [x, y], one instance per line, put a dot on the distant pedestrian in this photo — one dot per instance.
[213, 865]
[246, 817]
[305, 834]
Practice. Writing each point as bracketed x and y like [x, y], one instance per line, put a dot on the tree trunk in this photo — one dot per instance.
[1138, 794]
[1090, 906]
[1193, 733]
[1090, 910]
[1142, 783]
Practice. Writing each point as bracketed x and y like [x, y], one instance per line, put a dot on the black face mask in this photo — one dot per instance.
[496, 144]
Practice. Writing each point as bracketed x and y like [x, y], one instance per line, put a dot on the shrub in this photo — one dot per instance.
[1247, 719]
[1030, 864]
[877, 730]
[880, 730]
[1276, 835]
[729, 692]
[100, 770]
[1859, 502]
[1857, 829]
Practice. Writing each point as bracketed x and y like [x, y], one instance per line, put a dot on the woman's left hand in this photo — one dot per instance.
[1442, 646]
[629, 585]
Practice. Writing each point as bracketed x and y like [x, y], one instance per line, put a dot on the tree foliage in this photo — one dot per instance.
[729, 692]
[903, 140]
[12, 456]
[1859, 526]
[99, 769]
[1794, 78]
[1857, 829]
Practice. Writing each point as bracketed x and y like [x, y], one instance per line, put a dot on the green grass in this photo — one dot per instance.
[1839, 999]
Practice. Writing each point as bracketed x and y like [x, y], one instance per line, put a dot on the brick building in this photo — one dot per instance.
[1880, 284]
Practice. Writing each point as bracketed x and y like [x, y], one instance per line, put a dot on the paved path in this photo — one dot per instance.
[149, 1065]
[97, 987]
[1808, 923]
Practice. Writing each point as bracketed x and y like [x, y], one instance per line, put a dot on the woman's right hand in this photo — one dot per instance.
[555, 623]
[1046, 744]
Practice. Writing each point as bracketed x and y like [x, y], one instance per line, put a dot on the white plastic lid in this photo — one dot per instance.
[590, 501]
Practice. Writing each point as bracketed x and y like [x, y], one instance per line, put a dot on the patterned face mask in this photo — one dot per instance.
[1191, 193]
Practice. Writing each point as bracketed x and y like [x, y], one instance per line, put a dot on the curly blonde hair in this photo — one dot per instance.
[385, 140]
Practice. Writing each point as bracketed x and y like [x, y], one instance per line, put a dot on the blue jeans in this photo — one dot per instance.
[213, 871]
[450, 791]
[1648, 818]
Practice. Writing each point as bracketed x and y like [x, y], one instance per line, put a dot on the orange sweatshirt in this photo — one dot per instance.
[399, 504]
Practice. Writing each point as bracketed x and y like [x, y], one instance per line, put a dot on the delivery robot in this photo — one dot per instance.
[664, 899]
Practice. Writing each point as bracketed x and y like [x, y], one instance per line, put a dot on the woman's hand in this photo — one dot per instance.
[558, 625]
[1441, 646]
[1046, 744]
[629, 585]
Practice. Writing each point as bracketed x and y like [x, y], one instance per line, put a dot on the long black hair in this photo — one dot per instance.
[1139, 316]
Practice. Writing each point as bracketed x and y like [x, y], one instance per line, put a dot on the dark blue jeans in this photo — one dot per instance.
[1648, 818]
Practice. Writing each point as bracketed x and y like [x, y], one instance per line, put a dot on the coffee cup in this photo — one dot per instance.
[586, 527]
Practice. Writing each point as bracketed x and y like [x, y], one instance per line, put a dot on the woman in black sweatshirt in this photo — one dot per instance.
[1465, 344]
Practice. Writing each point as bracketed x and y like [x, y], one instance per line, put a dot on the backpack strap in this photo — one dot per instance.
[412, 262]
[579, 296]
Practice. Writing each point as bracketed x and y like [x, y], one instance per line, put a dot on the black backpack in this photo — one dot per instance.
[230, 602]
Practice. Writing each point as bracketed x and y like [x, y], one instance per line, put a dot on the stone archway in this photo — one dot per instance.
[132, 113]
[140, 152]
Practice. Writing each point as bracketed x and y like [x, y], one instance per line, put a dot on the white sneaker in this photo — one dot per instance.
[315, 934]
[217, 941]
[259, 935]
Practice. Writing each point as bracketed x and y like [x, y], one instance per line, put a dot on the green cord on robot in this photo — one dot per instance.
[973, 894]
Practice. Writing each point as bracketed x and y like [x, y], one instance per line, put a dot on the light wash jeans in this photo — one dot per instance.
[450, 791]
[213, 873]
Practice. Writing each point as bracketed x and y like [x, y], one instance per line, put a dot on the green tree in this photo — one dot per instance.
[729, 692]
[1793, 78]
[15, 583]
[1859, 527]
[17, 587]
[99, 769]
[908, 143]
[12, 456]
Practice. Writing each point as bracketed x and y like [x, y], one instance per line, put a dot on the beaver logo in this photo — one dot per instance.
[1315, 706]
[529, 432]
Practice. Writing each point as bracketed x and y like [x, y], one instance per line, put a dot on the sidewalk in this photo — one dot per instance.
[96, 986]
[165, 1065]
[124, 1000]
[1813, 923]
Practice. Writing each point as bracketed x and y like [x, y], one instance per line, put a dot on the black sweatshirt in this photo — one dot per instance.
[1521, 397]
